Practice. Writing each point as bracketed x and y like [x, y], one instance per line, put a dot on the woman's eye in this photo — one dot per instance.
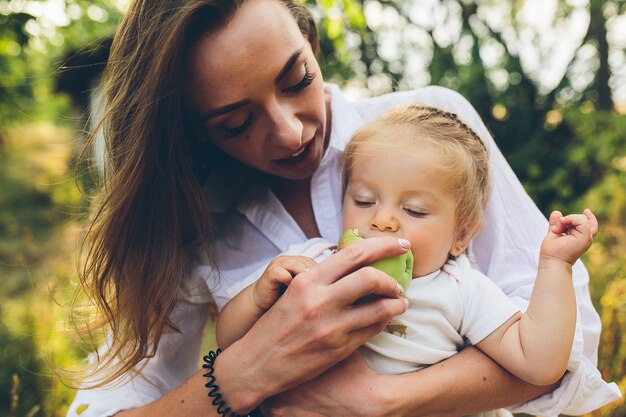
[303, 83]
[230, 132]
[414, 213]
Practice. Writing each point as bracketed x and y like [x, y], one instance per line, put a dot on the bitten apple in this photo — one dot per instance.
[399, 267]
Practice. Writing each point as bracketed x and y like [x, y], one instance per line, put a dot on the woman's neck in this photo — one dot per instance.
[295, 196]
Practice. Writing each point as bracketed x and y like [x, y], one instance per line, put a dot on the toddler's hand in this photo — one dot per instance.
[569, 236]
[277, 276]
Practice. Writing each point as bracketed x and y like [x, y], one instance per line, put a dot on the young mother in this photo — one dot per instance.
[222, 149]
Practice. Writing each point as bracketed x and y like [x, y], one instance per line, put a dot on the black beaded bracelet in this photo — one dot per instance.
[214, 389]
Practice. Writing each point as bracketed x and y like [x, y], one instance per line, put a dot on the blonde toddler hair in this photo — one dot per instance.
[463, 154]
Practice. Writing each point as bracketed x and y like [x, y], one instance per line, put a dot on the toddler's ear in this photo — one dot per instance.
[463, 238]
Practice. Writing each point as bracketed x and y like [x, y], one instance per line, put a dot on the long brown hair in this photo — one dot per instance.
[151, 204]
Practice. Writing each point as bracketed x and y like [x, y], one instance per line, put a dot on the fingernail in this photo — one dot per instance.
[400, 289]
[406, 302]
[404, 243]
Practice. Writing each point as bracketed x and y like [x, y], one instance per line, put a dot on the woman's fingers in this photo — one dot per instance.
[363, 334]
[368, 319]
[363, 282]
[358, 255]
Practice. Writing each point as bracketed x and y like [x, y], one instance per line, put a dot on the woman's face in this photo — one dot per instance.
[256, 89]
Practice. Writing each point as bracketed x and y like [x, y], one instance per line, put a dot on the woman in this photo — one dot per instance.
[223, 147]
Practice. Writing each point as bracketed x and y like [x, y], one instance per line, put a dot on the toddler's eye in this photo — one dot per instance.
[363, 203]
[414, 213]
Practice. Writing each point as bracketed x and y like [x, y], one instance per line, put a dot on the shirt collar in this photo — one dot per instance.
[344, 119]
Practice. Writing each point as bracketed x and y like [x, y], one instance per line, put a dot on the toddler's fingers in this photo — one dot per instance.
[555, 225]
[295, 264]
[574, 220]
[280, 275]
[593, 221]
[578, 225]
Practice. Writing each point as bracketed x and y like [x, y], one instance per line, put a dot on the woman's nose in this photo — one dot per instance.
[286, 127]
[384, 221]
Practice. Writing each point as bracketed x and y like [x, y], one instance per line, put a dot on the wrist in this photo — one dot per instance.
[390, 400]
[239, 381]
[553, 262]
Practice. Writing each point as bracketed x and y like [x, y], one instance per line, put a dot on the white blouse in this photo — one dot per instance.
[506, 250]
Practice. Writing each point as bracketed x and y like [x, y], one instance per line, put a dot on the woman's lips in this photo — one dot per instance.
[297, 156]
[298, 153]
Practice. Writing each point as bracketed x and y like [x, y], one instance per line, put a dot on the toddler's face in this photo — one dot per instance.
[404, 195]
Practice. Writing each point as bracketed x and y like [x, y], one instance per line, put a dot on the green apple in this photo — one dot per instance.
[399, 267]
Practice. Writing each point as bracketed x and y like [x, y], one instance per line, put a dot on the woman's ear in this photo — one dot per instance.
[464, 235]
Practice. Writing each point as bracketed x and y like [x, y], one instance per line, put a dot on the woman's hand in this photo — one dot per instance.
[314, 325]
[277, 276]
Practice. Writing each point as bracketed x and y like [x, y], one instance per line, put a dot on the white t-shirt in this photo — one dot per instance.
[505, 250]
[447, 309]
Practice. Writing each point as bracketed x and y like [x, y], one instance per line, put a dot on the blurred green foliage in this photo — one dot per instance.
[41, 209]
[564, 140]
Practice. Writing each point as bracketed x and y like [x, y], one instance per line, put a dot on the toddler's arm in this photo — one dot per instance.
[536, 346]
[239, 314]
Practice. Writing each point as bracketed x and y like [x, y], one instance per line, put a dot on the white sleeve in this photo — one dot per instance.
[485, 306]
[507, 251]
[176, 359]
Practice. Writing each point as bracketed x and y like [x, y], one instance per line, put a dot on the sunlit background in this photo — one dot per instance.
[547, 76]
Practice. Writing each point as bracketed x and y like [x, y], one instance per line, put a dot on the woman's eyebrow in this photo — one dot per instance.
[288, 65]
[234, 106]
[225, 109]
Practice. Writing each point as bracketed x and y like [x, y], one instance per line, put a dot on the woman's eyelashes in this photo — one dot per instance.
[230, 132]
[306, 81]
